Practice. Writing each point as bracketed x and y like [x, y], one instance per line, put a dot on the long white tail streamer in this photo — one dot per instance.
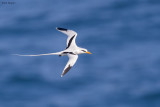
[39, 54]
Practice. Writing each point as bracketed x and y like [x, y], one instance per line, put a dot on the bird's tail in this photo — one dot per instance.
[57, 53]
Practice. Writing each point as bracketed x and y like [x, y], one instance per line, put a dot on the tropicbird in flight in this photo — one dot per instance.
[72, 50]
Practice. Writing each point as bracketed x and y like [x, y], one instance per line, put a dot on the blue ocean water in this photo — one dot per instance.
[123, 70]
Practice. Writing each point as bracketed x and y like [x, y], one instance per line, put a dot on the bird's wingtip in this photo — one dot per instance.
[59, 28]
[62, 75]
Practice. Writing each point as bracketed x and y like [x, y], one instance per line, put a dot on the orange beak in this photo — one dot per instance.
[88, 52]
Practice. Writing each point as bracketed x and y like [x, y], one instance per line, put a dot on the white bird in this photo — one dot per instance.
[72, 50]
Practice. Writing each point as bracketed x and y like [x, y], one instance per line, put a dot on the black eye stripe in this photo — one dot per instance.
[83, 50]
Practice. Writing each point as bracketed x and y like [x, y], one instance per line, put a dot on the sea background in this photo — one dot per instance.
[122, 71]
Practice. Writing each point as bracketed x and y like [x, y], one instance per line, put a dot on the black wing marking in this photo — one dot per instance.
[70, 41]
[69, 53]
[66, 70]
[61, 29]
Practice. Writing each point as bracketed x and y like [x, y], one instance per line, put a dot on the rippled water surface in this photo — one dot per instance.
[123, 71]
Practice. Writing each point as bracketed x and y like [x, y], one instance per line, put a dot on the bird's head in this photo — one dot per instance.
[85, 51]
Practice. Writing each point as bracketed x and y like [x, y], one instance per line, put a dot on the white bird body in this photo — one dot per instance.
[72, 50]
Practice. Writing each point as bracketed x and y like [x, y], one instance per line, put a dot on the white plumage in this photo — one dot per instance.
[72, 50]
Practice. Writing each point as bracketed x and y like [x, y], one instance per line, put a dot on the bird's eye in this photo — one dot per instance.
[83, 50]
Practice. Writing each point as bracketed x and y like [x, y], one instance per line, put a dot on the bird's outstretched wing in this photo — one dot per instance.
[72, 60]
[71, 37]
